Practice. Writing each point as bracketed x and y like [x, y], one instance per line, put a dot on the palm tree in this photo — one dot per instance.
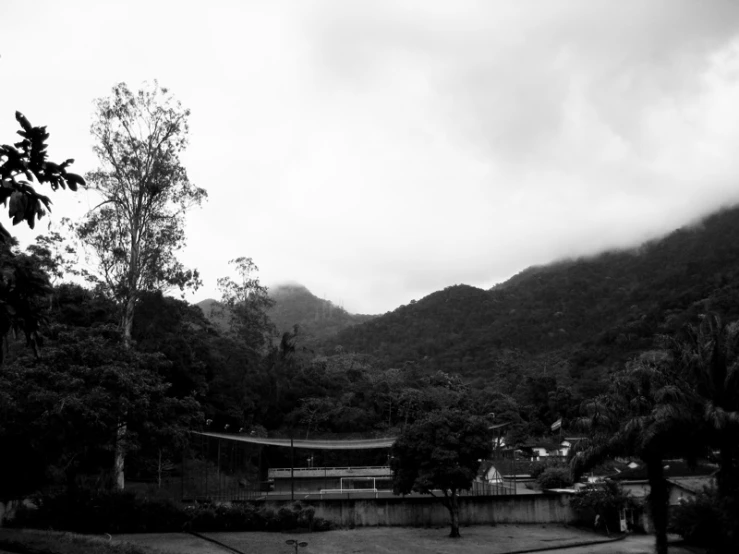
[707, 355]
[647, 412]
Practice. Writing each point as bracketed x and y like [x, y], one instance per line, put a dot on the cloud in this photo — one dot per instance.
[378, 151]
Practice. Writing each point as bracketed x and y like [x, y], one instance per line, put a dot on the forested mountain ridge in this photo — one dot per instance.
[573, 319]
[316, 318]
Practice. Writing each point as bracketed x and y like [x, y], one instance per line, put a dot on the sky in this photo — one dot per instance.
[378, 151]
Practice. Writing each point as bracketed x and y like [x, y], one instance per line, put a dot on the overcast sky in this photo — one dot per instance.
[377, 151]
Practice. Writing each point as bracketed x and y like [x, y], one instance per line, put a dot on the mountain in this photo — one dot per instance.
[573, 320]
[317, 319]
[216, 314]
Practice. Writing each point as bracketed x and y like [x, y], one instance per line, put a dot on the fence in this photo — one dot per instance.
[224, 470]
[220, 471]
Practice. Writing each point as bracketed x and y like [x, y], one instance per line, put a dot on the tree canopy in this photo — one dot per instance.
[441, 453]
[137, 228]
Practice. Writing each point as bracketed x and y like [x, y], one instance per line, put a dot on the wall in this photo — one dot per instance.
[427, 511]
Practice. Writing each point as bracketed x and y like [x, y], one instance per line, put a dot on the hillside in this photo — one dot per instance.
[572, 320]
[316, 318]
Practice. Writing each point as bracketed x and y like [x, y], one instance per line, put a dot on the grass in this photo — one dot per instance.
[26, 541]
[412, 540]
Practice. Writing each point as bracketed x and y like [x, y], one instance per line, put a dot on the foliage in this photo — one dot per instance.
[708, 519]
[318, 319]
[554, 478]
[576, 320]
[606, 498]
[22, 281]
[24, 288]
[707, 355]
[113, 511]
[60, 414]
[21, 164]
[441, 452]
[247, 301]
[138, 227]
[27, 541]
[649, 412]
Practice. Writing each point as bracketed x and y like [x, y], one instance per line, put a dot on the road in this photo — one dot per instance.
[633, 544]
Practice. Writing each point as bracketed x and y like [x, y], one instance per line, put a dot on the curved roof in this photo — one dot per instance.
[312, 444]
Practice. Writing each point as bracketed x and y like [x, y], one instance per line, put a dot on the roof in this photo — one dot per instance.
[319, 444]
[499, 426]
[692, 484]
[673, 469]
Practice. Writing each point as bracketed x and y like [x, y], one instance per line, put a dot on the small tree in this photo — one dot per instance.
[441, 453]
[606, 500]
[247, 301]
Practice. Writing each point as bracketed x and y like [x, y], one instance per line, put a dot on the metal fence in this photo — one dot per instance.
[221, 471]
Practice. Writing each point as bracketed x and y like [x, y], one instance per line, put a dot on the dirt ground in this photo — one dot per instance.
[384, 540]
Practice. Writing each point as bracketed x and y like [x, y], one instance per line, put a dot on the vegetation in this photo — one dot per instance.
[20, 284]
[575, 321]
[554, 478]
[707, 520]
[98, 511]
[627, 347]
[441, 453]
[55, 542]
[138, 226]
[606, 499]
[647, 412]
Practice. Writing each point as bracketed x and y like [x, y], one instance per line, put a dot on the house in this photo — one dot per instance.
[684, 482]
[567, 444]
[541, 449]
[488, 473]
[687, 488]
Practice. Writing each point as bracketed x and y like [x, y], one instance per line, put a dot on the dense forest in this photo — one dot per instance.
[317, 319]
[575, 320]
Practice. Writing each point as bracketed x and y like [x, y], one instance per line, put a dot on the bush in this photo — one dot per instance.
[606, 499]
[554, 478]
[97, 512]
[707, 520]
[100, 511]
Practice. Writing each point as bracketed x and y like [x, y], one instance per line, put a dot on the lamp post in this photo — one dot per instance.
[296, 544]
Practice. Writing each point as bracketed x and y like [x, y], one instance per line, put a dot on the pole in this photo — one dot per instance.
[292, 469]
[182, 473]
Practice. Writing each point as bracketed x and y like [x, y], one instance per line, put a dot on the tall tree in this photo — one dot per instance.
[247, 301]
[138, 226]
[441, 453]
[648, 412]
[708, 356]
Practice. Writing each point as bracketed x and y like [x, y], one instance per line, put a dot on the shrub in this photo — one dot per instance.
[554, 478]
[707, 520]
[606, 499]
[91, 511]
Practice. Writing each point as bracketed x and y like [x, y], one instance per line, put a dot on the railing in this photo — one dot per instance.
[306, 472]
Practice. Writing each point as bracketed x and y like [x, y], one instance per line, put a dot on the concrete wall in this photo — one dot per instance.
[429, 512]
